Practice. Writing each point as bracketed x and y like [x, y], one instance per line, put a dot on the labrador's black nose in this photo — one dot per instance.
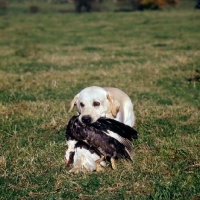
[86, 119]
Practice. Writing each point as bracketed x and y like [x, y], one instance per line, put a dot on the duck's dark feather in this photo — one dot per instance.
[121, 129]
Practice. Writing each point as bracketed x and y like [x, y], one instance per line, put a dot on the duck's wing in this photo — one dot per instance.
[127, 143]
[120, 128]
[119, 131]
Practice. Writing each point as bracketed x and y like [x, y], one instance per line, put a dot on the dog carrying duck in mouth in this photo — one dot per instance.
[101, 130]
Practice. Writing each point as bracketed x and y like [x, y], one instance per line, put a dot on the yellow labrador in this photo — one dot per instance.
[95, 102]
[91, 104]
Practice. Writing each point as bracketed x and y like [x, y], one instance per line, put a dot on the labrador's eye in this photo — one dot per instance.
[96, 104]
[81, 104]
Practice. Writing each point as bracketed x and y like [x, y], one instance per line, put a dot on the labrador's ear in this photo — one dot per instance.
[73, 103]
[114, 105]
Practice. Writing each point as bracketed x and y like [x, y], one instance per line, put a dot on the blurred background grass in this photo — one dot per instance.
[48, 57]
[69, 6]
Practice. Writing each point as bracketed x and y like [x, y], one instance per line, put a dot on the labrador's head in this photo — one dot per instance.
[94, 102]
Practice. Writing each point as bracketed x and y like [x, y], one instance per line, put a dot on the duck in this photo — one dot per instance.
[109, 139]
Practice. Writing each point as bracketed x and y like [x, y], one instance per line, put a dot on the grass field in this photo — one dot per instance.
[46, 58]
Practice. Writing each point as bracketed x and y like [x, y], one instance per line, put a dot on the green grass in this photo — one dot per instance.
[47, 58]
